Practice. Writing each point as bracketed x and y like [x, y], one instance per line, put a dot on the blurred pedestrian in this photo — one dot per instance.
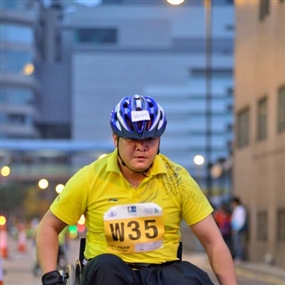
[222, 217]
[239, 229]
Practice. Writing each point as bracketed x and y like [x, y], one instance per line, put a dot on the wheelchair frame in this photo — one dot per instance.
[73, 275]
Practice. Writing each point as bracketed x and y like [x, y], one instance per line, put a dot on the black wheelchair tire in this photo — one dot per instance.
[70, 278]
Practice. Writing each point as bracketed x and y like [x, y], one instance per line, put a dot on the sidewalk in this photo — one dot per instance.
[200, 259]
[18, 267]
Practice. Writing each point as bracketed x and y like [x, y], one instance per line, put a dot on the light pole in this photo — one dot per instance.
[208, 89]
[208, 97]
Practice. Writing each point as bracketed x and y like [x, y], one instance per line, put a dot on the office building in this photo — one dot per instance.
[259, 153]
[20, 90]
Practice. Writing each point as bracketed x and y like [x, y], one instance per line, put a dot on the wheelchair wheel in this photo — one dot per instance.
[37, 271]
[69, 275]
[78, 273]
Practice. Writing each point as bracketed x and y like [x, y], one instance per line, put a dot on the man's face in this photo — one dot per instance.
[137, 154]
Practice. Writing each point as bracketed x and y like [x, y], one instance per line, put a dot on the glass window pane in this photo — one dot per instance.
[97, 35]
[14, 61]
[243, 128]
[281, 110]
[16, 34]
[261, 119]
[16, 96]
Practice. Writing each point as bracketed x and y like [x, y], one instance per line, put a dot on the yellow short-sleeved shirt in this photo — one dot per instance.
[116, 212]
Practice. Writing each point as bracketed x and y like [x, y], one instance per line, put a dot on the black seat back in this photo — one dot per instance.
[83, 244]
[81, 249]
[180, 250]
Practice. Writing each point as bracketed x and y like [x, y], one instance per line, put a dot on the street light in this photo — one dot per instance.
[59, 188]
[199, 159]
[5, 171]
[175, 2]
[208, 83]
[43, 184]
[208, 88]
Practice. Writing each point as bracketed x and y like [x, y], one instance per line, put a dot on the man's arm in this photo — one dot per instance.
[47, 241]
[217, 251]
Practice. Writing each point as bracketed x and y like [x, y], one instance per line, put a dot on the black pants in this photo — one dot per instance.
[108, 269]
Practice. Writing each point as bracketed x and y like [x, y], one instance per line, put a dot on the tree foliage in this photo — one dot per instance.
[12, 196]
[22, 201]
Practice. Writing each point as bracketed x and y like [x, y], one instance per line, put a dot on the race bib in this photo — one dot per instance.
[134, 228]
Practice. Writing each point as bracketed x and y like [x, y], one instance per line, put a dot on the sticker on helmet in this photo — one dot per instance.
[140, 116]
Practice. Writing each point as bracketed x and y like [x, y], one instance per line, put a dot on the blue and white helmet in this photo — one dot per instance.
[138, 117]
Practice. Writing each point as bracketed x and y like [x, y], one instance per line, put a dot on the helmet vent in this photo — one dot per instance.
[128, 122]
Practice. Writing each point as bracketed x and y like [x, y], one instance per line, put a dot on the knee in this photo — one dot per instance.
[102, 269]
[106, 259]
[104, 262]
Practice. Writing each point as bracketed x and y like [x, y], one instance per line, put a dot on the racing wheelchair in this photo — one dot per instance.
[73, 274]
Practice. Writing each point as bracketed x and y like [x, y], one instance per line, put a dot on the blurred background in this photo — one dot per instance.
[216, 66]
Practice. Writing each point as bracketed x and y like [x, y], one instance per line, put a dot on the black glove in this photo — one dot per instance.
[52, 278]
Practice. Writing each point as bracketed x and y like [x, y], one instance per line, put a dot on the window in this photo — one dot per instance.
[281, 225]
[263, 9]
[261, 119]
[262, 226]
[55, 131]
[96, 35]
[16, 119]
[215, 72]
[243, 128]
[13, 33]
[16, 96]
[13, 61]
[281, 110]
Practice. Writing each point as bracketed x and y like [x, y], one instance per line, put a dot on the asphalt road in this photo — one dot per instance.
[18, 267]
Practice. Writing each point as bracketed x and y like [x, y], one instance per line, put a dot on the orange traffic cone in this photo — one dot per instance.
[22, 240]
[3, 242]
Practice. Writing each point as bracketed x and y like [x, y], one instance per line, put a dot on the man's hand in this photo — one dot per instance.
[52, 278]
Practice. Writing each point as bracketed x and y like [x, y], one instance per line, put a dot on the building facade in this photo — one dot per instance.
[19, 88]
[259, 153]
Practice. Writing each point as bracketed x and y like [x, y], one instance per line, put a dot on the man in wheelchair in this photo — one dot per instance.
[133, 201]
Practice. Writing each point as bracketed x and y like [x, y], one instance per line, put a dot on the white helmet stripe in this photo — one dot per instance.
[157, 119]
